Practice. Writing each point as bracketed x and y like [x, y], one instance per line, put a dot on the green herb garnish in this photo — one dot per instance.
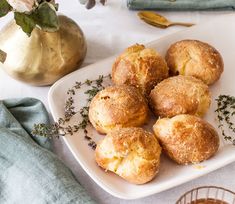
[225, 114]
[59, 128]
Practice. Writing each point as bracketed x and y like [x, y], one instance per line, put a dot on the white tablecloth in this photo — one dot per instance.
[109, 30]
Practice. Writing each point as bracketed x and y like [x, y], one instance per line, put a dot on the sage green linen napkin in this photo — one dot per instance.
[29, 172]
[179, 5]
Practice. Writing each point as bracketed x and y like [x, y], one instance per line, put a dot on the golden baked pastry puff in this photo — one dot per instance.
[180, 95]
[195, 58]
[186, 138]
[132, 153]
[141, 67]
[118, 106]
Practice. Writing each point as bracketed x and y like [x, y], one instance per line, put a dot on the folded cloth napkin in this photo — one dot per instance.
[29, 172]
[179, 5]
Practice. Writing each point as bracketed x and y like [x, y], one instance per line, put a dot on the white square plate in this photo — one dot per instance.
[221, 34]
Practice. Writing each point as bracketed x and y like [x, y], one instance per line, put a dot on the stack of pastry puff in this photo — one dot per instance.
[176, 90]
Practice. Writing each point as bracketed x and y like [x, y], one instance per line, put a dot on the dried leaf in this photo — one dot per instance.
[103, 2]
[90, 4]
[3, 56]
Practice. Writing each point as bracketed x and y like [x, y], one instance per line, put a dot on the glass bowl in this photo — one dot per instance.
[208, 195]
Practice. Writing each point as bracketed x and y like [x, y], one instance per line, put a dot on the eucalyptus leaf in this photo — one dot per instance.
[4, 8]
[46, 18]
[25, 21]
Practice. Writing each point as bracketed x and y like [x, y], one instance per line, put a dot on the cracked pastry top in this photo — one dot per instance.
[131, 153]
[118, 106]
[195, 58]
[186, 138]
[180, 95]
[141, 67]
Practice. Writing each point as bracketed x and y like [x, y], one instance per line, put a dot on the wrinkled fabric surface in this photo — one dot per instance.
[180, 5]
[29, 172]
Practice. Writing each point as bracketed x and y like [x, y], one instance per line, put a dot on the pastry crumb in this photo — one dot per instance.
[199, 166]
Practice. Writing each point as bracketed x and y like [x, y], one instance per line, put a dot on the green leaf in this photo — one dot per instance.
[46, 18]
[4, 8]
[25, 21]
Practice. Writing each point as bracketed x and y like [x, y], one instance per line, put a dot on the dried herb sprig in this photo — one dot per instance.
[225, 114]
[59, 128]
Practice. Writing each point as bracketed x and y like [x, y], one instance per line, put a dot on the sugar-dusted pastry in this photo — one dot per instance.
[180, 95]
[141, 67]
[195, 58]
[118, 106]
[132, 153]
[186, 138]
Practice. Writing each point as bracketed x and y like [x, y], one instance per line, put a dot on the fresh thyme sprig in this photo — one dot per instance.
[59, 128]
[225, 113]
